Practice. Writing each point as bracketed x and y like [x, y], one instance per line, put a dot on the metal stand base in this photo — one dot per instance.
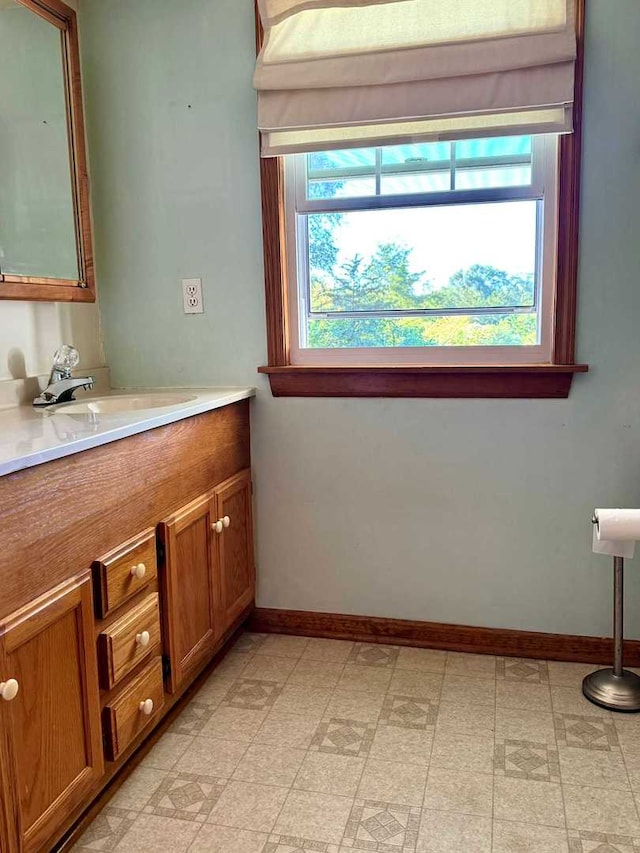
[616, 692]
[616, 689]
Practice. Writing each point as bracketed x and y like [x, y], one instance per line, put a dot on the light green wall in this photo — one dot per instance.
[456, 511]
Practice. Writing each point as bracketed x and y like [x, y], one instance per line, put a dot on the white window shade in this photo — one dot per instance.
[346, 73]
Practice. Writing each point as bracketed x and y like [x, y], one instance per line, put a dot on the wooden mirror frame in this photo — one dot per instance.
[82, 289]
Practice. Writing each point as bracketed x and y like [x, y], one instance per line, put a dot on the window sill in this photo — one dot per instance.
[524, 381]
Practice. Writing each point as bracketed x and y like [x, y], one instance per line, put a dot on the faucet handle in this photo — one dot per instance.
[65, 359]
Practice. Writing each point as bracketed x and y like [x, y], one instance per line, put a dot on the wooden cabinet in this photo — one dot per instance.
[161, 523]
[128, 640]
[52, 726]
[133, 709]
[190, 612]
[123, 572]
[208, 573]
[234, 553]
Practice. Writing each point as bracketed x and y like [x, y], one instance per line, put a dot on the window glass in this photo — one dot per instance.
[451, 260]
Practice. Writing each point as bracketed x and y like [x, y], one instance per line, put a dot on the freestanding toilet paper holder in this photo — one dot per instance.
[616, 689]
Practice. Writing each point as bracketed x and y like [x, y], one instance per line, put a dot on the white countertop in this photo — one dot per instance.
[30, 436]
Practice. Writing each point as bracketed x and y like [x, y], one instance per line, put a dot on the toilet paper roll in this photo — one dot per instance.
[616, 531]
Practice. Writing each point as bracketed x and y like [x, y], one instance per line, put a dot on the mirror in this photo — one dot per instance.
[45, 236]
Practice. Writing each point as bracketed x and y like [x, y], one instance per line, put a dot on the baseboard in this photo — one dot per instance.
[434, 635]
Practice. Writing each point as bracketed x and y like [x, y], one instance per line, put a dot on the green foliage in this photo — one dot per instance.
[386, 282]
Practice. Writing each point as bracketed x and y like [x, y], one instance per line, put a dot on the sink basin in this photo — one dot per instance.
[115, 404]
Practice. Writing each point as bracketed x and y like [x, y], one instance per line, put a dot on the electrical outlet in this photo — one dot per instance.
[192, 296]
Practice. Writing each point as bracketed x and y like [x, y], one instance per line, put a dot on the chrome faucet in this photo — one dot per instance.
[62, 385]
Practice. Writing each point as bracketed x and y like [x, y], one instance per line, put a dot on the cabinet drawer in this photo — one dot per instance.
[128, 640]
[124, 571]
[130, 711]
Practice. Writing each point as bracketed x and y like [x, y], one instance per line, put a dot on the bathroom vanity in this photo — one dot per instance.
[126, 561]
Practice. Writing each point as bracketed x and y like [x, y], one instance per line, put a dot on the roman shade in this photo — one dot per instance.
[351, 73]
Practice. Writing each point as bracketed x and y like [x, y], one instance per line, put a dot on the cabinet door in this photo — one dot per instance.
[235, 566]
[54, 720]
[189, 587]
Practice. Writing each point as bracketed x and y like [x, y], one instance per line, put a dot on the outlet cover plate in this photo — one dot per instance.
[192, 296]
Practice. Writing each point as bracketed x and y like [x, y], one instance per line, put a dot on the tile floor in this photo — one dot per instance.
[299, 745]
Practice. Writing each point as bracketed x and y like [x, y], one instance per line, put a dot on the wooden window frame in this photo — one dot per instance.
[82, 289]
[551, 380]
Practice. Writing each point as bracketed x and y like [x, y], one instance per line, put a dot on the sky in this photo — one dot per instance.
[442, 239]
[448, 238]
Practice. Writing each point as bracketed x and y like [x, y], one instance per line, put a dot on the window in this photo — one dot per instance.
[423, 253]
[420, 231]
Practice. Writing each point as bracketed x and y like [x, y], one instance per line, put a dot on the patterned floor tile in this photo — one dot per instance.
[385, 827]
[334, 651]
[233, 664]
[245, 805]
[253, 694]
[343, 737]
[601, 810]
[214, 690]
[585, 732]
[598, 842]
[448, 832]
[107, 829]
[355, 705]
[313, 673]
[421, 660]
[473, 666]
[225, 839]
[521, 759]
[281, 729]
[454, 718]
[152, 833]
[167, 751]
[472, 691]
[519, 724]
[569, 700]
[269, 668]
[457, 791]
[330, 774]
[528, 801]
[409, 712]
[522, 669]
[270, 765]
[291, 844]
[322, 817]
[249, 643]
[393, 782]
[185, 796]
[370, 679]
[373, 654]
[597, 768]
[463, 752]
[513, 837]
[232, 723]
[193, 719]
[396, 743]
[523, 695]
[407, 682]
[283, 645]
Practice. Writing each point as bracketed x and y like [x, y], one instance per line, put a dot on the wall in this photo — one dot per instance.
[30, 332]
[456, 511]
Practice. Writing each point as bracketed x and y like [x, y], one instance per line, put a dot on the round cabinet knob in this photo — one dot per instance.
[226, 521]
[9, 689]
[146, 707]
[143, 639]
[217, 526]
[139, 571]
